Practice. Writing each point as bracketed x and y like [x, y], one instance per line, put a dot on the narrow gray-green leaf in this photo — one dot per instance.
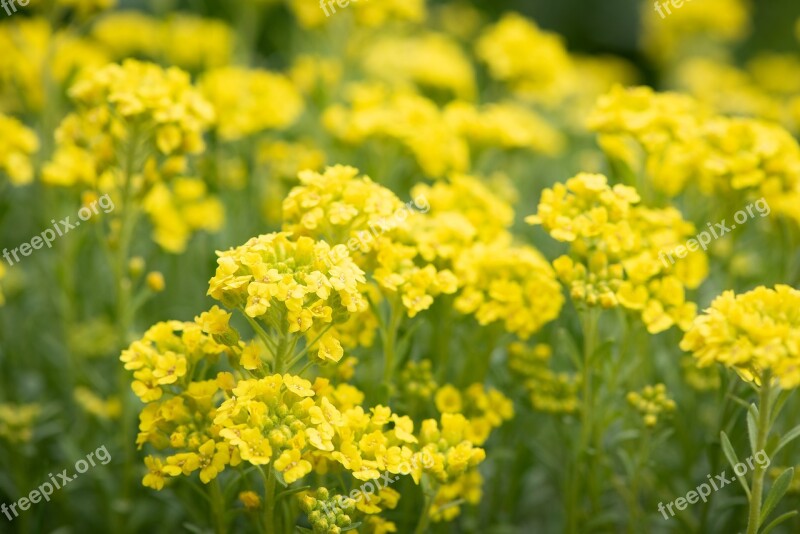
[730, 454]
[778, 520]
[752, 426]
[786, 439]
[776, 493]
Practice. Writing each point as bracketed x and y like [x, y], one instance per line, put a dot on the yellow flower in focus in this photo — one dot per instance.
[513, 284]
[753, 333]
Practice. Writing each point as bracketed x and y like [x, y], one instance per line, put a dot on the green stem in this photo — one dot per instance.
[269, 500]
[389, 337]
[218, 507]
[582, 465]
[764, 419]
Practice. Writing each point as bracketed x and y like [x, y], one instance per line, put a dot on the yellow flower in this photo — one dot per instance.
[513, 284]
[250, 499]
[248, 102]
[284, 280]
[292, 466]
[17, 145]
[448, 400]
[753, 333]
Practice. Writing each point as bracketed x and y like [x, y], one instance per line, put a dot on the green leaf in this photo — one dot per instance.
[778, 520]
[730, 454]
[351, 527]
[752, 426]
[786, 439]
[776, 493]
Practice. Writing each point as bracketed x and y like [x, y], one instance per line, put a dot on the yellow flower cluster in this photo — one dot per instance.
[531, 61]
[17, 422]
[484, 410]
[438, 138]
[339, 206]
[371, 14]
[291, 284]
[184, 423]
[651, 402]
[431, 61]
[512, 284]
[670, 31]
[615, 249]
[134, 126]
[550, 391]
[33, 49]
[186, 41]
[164, 359]
[17, 145]
[248, 102]
[274, 420]
[755, 333]
[417, 381]
[462, 210]
[179, 209]
[413, 121]
[683, 144]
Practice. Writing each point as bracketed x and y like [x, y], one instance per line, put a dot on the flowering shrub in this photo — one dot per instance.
[399, 266]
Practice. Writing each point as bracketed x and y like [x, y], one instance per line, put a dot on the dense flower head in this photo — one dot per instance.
[485, 409]
[682, 144]
[549, 391]
[651, 402]
[165, 356]
[430, 61]
[291, 284]
[144, 93]
[466, 489]
[184, 40]
[617, 250]
[671, 31]
[274, 420]
[339, 206]
[248, 101]
[531, 61]
[459, 212]
[179, 209]
[756, 333]
[512, 284]
[17, 144]
[417, 380]
[183, 425]
[34, 51]
[507, 125]
[372, 111]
